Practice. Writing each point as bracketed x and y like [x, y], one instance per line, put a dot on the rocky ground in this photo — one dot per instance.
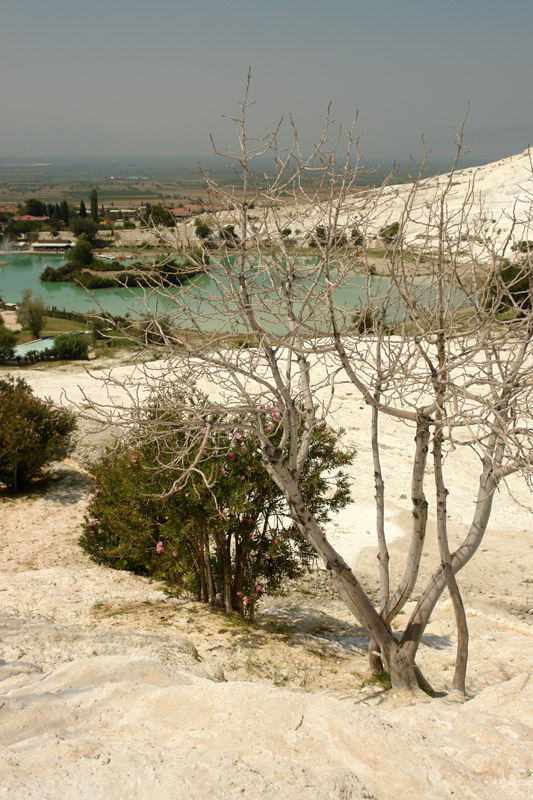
[111, 688]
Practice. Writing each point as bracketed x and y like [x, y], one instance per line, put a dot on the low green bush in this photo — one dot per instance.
[8, 341]
[514, 287]
[390, 232]
[32, 433]
[71, 347]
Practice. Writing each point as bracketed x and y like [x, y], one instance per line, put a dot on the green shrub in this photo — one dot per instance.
[232, 541]
[357, 238]
[229, 236]
[525, 246]
[32, 433]
[81, 255]
[202, 229]
[71, 347]
[328, 236]
[364, 322]
[99, 326]
[31, 312]
[8, 340]
[390, 232]
[155, 330]
[512, 288]
[158, 215]
[84, 225]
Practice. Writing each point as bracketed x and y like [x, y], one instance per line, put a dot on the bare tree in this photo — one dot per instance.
[271, 328]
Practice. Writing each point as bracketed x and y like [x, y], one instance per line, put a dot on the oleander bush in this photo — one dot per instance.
[225, 535]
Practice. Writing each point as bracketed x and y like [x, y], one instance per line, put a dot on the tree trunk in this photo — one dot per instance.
[401, 671]
[203, 584]
[374, 657]
[228, 603]
[238, 577]
[437, 583]
[383, 553]
[446, 561]
[211, 589]
[420, 515]
[399, 666]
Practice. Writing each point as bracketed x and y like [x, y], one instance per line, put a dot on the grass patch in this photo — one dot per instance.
[55, 325]
[235, 621]
[51, 327]
[302, 590]
[114, 340]
[24, 336]
[380, 680]
[252, 666]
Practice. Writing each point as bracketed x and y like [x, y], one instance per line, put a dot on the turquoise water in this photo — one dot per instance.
[202, 295]
[19, 271]
[40, 345]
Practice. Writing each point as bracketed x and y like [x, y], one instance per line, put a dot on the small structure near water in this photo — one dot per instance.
[51, 246]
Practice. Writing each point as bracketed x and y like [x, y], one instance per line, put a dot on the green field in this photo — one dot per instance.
[52, 327]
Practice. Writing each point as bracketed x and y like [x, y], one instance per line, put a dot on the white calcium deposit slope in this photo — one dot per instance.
[483, 207]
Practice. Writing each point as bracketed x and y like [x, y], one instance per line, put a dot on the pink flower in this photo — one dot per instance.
[275, 417]
[159, 547]
[96, 492]
[238, 436]
[245, 600]
[259, 588]
[231, 456]
[174, 554]
[277, 405]
[269, 427]
[239, 594]
[242, 477]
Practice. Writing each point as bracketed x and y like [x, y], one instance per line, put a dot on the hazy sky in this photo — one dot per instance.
[156, 76]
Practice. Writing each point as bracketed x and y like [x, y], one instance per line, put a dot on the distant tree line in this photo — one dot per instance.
[59, 216]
